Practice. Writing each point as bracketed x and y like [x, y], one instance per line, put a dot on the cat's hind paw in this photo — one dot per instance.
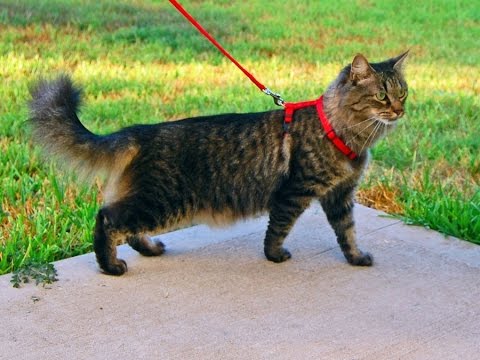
[278, 256]
[119, 267]
[146, 246]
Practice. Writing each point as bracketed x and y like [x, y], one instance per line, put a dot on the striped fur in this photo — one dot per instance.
[218, 169]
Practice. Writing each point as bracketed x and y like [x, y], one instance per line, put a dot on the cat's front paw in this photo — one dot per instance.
[119, 267]
[278, 256]
[364, 259]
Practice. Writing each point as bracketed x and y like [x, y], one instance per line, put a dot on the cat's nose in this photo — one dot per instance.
[398, 112]
[397, 109]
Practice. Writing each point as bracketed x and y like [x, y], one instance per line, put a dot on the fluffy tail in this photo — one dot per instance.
[55, 126]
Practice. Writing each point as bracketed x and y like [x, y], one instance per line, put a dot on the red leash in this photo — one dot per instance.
[289, 107]
[276, 97]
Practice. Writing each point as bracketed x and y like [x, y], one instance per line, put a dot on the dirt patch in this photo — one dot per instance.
[382, 198]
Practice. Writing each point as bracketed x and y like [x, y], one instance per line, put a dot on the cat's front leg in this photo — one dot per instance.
[338, 206]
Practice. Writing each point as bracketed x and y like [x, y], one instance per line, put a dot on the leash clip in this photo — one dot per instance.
[277, 98]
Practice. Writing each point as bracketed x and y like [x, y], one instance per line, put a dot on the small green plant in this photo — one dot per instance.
[42, 273]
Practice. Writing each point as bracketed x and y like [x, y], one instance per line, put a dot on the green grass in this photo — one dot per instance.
[141, 62]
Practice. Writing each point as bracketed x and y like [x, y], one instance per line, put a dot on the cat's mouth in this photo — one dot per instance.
[389, 117]
[388, 121]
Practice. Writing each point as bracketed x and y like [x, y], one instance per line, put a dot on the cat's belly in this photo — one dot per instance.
[220, 218]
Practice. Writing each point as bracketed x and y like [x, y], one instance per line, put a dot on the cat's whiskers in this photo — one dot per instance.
[357, 124]
[372, 134]
[375, 137]
[349, 142]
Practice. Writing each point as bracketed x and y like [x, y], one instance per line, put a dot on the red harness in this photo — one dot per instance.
[331, 135]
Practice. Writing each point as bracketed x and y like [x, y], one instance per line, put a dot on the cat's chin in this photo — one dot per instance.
[388, 122]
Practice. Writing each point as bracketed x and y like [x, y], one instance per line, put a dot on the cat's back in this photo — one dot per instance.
[228, 161]
[228, 123]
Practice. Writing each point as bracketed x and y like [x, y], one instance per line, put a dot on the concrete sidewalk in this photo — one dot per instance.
[213, 295]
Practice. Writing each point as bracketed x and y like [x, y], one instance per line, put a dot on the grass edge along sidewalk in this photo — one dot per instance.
[143, 63]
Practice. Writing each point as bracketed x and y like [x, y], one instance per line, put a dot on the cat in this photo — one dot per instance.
[222, 168]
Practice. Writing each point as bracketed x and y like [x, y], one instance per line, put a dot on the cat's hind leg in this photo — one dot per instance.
[284, 211]
[126, 220]
[105, 242]
[145, 245]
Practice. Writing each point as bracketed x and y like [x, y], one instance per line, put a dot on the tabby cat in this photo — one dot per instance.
[222, 168]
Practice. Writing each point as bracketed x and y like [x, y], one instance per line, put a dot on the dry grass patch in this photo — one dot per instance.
[381, 197]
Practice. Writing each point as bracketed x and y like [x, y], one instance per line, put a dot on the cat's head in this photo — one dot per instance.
[374, 90]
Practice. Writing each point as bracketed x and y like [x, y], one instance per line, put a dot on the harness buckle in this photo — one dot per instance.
[277, 98]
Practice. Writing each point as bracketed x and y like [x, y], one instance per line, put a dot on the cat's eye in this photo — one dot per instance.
[381, 95]
[402, 93]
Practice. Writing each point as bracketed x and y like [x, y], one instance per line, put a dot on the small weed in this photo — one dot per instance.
[41, 273]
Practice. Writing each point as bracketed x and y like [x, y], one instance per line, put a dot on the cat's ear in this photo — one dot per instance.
[399, 61]
[360, 69]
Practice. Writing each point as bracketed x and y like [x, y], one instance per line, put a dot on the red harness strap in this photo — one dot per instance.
[331, 135]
